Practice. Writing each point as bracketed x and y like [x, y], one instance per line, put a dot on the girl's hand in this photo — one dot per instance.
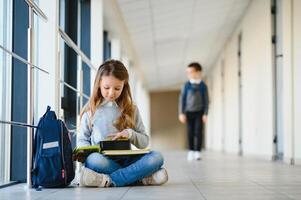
[204, 118]
[120, 135]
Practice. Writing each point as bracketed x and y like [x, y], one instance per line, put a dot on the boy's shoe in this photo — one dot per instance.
[91, 178]
[197, 155]
[158, 178]
[190, 155]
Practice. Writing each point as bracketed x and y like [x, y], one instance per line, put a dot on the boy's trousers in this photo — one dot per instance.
[194, 130]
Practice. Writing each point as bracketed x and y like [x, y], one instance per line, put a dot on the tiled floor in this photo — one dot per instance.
[217, 176]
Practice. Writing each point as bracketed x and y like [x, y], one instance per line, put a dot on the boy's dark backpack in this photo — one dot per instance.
[52, 153]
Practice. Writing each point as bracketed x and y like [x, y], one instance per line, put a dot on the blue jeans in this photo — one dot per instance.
[125, 170]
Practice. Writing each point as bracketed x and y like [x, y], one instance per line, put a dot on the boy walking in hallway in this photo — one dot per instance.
[193, 109]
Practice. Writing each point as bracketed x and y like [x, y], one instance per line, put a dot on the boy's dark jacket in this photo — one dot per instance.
[204, 101]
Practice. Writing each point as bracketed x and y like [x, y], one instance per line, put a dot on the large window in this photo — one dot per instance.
[19, 91]
[69, 22]
[75, 74]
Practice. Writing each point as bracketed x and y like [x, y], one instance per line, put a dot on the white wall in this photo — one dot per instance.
[257, 86]
[143, 102]
[297, 78]
[257, 80]
[140, 96]
[291, 80]
[287, 82]
[214, 136]
[231, 97]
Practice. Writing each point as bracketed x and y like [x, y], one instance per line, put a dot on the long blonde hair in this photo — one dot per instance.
[124, 101]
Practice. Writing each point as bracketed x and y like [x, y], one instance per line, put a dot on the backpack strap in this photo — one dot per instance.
[184, 96]
[36, 135]
[47, 110]
[35, 146]
[204, 95]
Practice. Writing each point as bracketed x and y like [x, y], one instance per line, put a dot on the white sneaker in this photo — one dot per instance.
[158, 178]
[190, 155]
[78, 169]
[91, 178]
[197, 155]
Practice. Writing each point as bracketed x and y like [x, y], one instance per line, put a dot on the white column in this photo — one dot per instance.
[57, 71]
[96, 36]
[115, 48]
[47, 87]
[30, 92]
[288, 109]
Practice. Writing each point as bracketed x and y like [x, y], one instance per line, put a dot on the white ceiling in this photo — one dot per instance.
[168, 34]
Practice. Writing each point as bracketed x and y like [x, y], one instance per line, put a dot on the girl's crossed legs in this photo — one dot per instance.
[125, 170]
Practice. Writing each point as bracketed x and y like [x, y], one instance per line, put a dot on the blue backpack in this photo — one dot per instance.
[52, 153]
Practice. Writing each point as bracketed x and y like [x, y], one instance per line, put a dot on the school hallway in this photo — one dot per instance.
[217, 176]
[52, 54]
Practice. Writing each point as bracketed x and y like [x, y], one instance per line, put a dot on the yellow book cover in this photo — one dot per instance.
[81, 153]
[94, 148]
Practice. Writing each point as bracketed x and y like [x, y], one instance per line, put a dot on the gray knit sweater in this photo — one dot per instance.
[93, 130]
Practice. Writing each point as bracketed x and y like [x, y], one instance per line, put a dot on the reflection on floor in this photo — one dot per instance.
[217, 176]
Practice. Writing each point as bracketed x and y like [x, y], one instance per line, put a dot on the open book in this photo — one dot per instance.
[81, 153]
[125, 152]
